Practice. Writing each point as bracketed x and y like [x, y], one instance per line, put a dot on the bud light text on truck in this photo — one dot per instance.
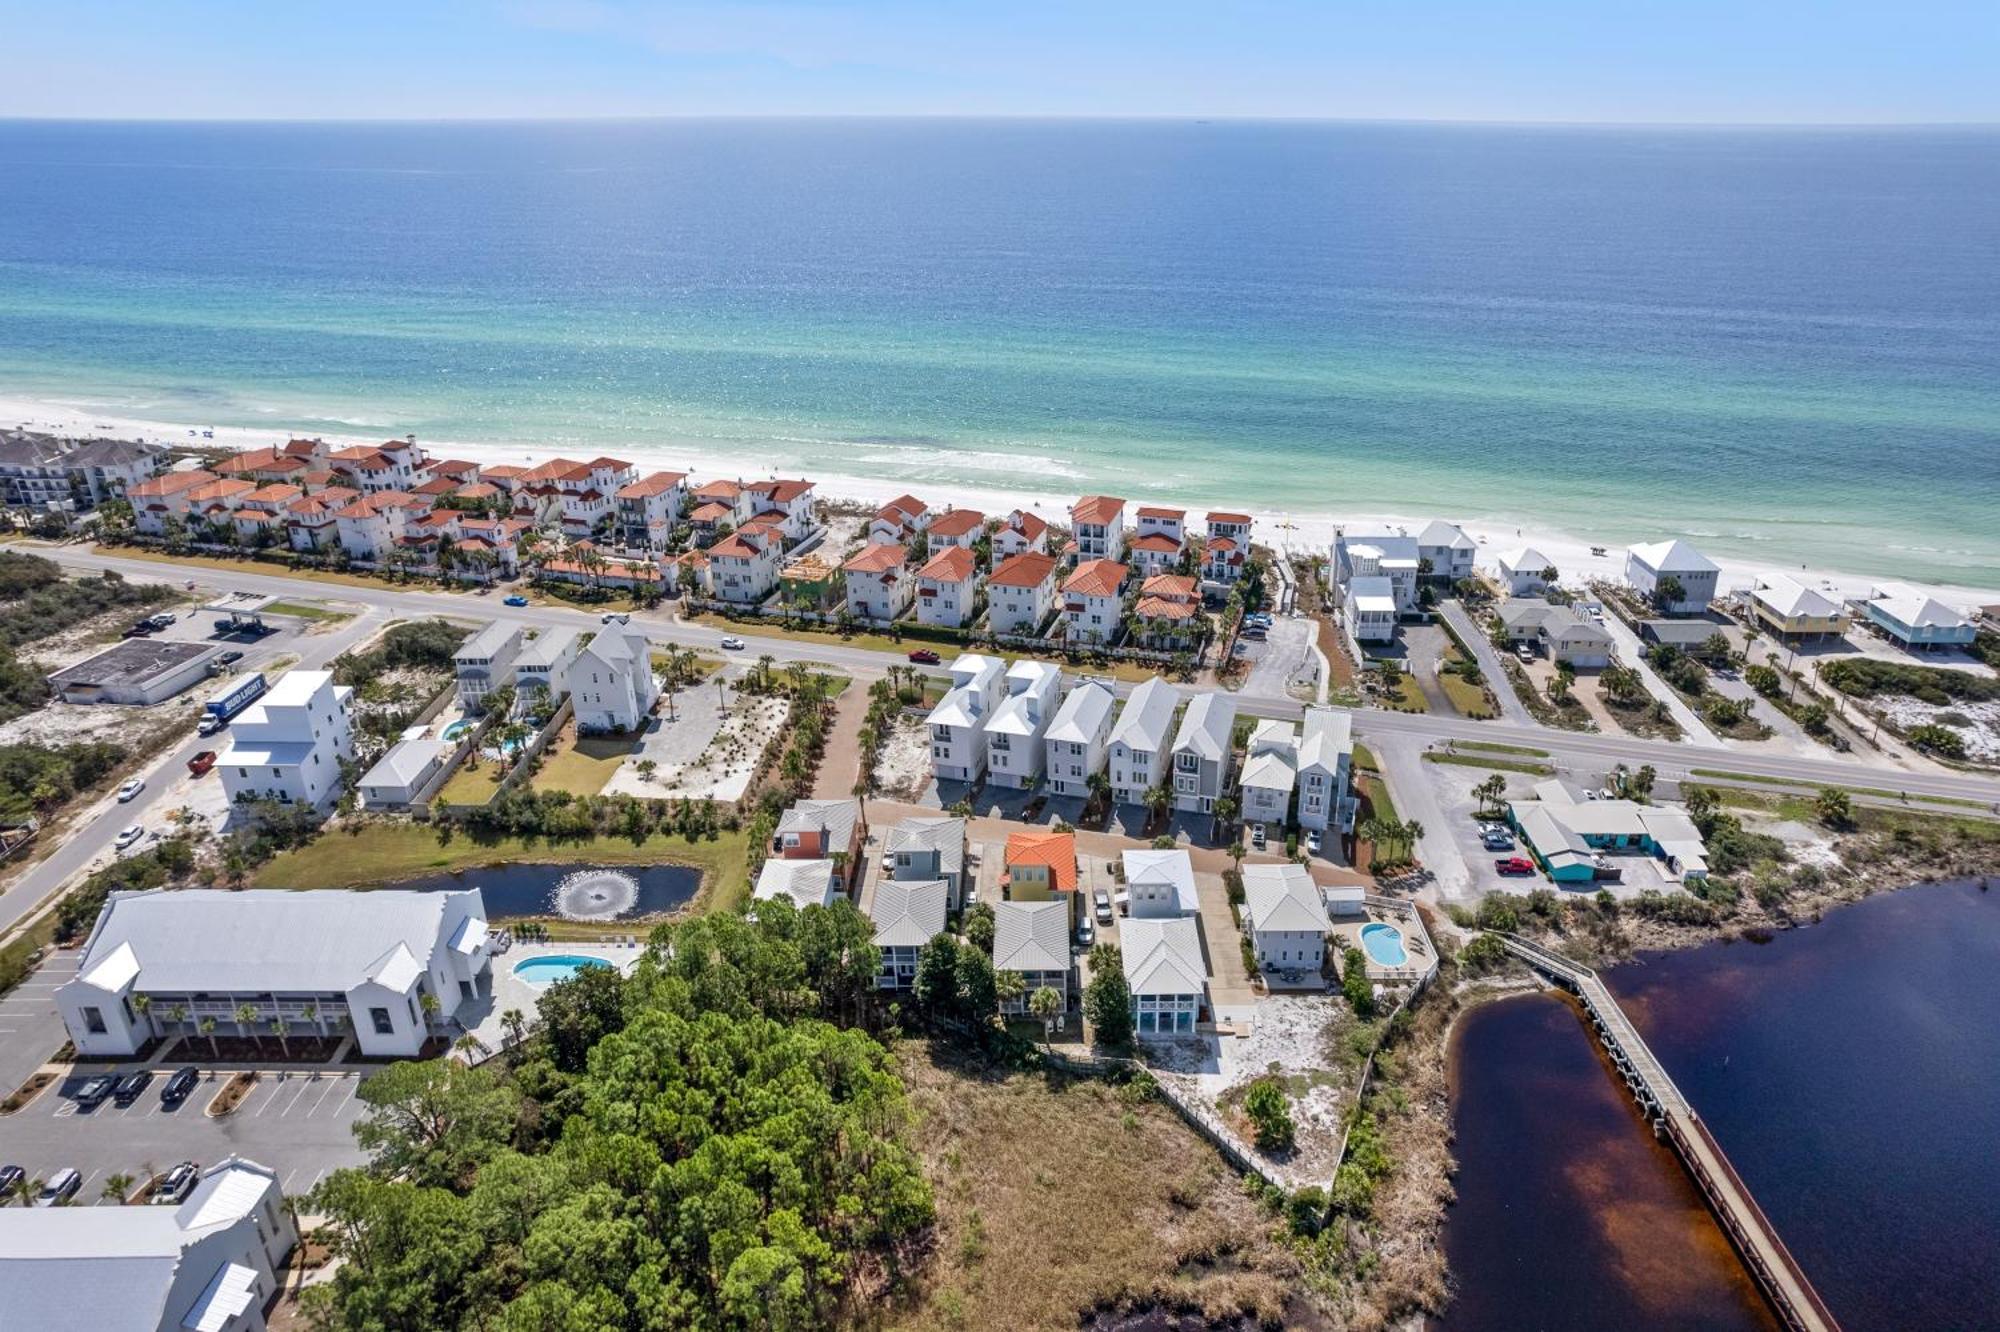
[220, 709]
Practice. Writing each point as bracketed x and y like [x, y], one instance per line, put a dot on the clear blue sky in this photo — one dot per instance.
[1574, 60]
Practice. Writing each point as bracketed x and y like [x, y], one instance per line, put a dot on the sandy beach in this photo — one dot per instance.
[1293, 532]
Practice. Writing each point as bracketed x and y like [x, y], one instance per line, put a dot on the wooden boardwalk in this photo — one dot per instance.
[1770, 1263]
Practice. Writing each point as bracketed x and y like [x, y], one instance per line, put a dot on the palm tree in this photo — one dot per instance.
[311, 1014]
[516, 1025]
[1046, 1006]
[1099, 785]
[278, 1025]
[246, 1018]
[1009, 986]
[116, 1187]
[207, 1028]
[178, 1015]
[764, 664]
[469, 1045]
[1158, 800]
[1408, 834]
[431, 1006]
[142, 1004]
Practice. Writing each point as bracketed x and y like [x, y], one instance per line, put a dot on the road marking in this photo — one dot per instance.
[293, 1104]
[265, 1104]
[353, 1085]
[331, 1083]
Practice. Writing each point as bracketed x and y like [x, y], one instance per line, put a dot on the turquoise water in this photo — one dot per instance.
[539, 971]
[458, 728]
[1785, 344]
[1384, 944]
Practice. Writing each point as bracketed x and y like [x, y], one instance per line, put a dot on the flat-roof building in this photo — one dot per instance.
[136, 671]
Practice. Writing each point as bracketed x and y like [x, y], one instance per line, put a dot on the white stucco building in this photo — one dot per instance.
[1021, 593]
[288, 745]
[1139, 741]
[1647, 566]
[957, 724]
[1014, 750]
[612, 681]
[322, 961]
[1159, 883]
[1076, 738]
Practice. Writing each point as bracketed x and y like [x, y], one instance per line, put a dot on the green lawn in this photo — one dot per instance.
[1878, 792]
[379, 853]
[1491, 747]
[307, 610]
[1503, 765]
[1410, 694]
[1470, 699]
[474, 783]
[582, 765]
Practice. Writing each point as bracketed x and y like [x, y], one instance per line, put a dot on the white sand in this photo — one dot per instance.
[1295, 533]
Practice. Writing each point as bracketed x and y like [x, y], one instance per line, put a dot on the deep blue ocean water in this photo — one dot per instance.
[1785, 343]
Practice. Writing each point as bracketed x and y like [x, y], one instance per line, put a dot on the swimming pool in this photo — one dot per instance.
[457, 728]
[1384, 944]
[553, 967]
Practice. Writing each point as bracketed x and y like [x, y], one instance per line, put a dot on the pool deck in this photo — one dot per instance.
[1422, 953]
[483, 1018]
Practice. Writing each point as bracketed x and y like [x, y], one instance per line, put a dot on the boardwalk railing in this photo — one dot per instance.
[1764, 1254]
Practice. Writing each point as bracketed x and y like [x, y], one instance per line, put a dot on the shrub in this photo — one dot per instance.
[1355, 985]
[1305, 1211]
[1270, 1116]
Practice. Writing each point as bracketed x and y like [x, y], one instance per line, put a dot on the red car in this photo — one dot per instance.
[202, 762]
[1514, 865]
[924, 657]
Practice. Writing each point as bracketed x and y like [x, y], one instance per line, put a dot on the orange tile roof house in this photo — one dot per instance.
[1019, 534]
[743, 567]
[1228, 548]
[1098, 524]
[947, 586]
[957, 527]
[1093, 597]
[1040, 867]
[878, 583]
[1169, 610]
[649, 509]
[900, 519]
[1021, 593]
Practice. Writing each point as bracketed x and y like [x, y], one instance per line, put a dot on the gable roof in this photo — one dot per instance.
[1162, 955]
[1206, 726]
[659, 483]
[1238, 519]
[1142, 722]
[909, 914]
[1028, 569]
[1523, 559]
[1788, 597]
[1172, 869]
[1031, 936]
[1053, 849]
[957, 522]
[1029, 525]
[1156, 543]
[1083, 713]
[1283, 897]
[1437, 532]
[836, 818]
[1327, 735]
[1161, 515]
[1915, 607]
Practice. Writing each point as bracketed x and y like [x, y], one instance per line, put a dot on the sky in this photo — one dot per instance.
[1679, 61]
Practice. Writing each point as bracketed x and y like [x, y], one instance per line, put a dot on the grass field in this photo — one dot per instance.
[307, 610]
[582, 764]
[251, 566]
[1877, 792]
[474, 783]
[1501, 764]
[1470, 699]
[1409, 694]
[378, 853]
[1058, 1195]
[1489, 747]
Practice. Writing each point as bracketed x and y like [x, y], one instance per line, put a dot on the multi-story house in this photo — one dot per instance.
[899, 520]
[1031, 939]
[211, 508]
[958, 723]
[485, 661]
[947, 588]
[260, 513]
[1166, 974]
[165, 496]
[543, 664]
[1159, 884]
[371, 526]
[928, 848]
[1022, 533]
[956, 527]
[1021, 593]
[1093, 601]
[43, 473]
[1076, 738]
[1138, 744]
[879, 585]
[288, 745]
[1040, 867]
[312, 522]
[743, 567]
[1158, 540]
[1647, 567]
[1169, 612]
[907, 916]
[1097, 522]
[1270, 773]
[291, 462]
[790, 500]
[1202, 751]
[832, 830]
[1015, 730]
[396, 465]
[1326, 759]
[1286, 918]
[1391, 556]
[648, 509]
[1445, 553]
[612, 683]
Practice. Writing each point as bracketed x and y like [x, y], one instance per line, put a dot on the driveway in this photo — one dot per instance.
[1282, 661]
[1416, 798]
[1483, 652]
[1631, 652]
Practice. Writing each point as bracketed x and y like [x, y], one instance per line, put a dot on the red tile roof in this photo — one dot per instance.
[953, 564]
[1158, 542]
[1217, 516]
[1027, 524]
[1167, 597]
[659, 483]
[718, 489]
[437, 485]
[738, 545]
[711, 512]
[1055, 850]
[478, 490]
[1147, 511]
[172, 483]
[781, 491]
[275, 493]
[1096, 509]
[958, 522]
[1095, 578]
[879, 558]
[1028, 569]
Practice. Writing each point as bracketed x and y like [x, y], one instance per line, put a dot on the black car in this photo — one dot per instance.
[131, 1085]
[230, 658]
[139, 630]
[94, 1091]
[180, 1086]
[10, 1181]
[174, 1186]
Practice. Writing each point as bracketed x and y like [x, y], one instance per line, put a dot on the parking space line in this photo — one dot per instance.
[265, 1104]
[353, 1085]
[325, 1092]
[293, 1104]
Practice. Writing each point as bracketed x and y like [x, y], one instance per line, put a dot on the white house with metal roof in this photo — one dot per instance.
[1270, 773]
[399, 774]
[1522, 569]
[544, 662]
[907, 916]
[288, 745]
[1202, 751]
[1075, 739]
[1138, 748]
[1014, 749]
[803, 883]
[1159, 883]
[1032, 939]
[157, 963]
[1166, 973]
[928, 848]
[210, 1264]
[1286, 917]
[1790, 609]
[612, 683]
[485, 662]
[1326, 762]
[1647, 565]
[957, 724]
[1373, 608]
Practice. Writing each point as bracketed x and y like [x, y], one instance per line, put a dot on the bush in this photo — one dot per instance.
[36, 778]
[1355, 985]
[1862, 677]
[1485, 953]
[1305, 1211]
[1270, 1116]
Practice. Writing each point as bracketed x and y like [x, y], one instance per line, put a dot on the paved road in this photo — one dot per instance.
[1668, 758]
[1490, 665]
[1416, 798]
[91, 835]
[1633, 653]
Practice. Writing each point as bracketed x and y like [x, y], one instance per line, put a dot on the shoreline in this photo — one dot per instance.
[1293, 533]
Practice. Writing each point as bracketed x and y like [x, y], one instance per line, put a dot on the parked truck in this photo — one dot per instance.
[224, 706]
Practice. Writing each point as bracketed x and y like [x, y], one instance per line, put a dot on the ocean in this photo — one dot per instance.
[1852, 1072]
[1784, 344]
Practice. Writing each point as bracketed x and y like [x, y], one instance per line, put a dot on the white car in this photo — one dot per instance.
[130, 789]
[129, 836]
[733, 643]
[1312, 841]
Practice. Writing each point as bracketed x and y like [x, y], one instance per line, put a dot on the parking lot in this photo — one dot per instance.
[296, 1121]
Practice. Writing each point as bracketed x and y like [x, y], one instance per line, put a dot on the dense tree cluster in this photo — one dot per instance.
[700, 1146]
[36, 778]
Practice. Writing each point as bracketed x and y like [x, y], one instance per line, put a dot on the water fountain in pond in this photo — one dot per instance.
[596, 894]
